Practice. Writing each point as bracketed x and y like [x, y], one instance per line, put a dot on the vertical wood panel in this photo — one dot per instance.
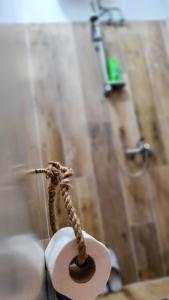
[149, 260]
[45, 89]
[90, 74]
[81, 128]
[66, 118]
[128, 127]
[69, 99]
[22, 200]
[165, 33]
[127, 134]
[20, 145]
[143, 96]
[158, 67]
[159, 190]
[157, 62]
[88, 202]
[117, 234]
[61, 112]
[77, 150]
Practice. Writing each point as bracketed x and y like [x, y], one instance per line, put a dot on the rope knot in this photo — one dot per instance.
[60, 176]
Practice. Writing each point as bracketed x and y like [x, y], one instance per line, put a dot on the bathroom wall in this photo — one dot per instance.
[40, 11]
[53, 108]
[23, 220]
[87, 132]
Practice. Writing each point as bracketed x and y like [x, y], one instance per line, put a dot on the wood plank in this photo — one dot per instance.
[45, 90]
[22, 202]
[125, 121]
[20, 149]
[90, 74]
[70, 101]
[147, 251]
[117, 233]
[126, 133]
[158, 67]
[58, 112]
[159, 190]
[157, 62]
[43, 78]
[143, 96]
[151, 289]
[62, 140]
[165, 33]
[139, 204]
[89, 207]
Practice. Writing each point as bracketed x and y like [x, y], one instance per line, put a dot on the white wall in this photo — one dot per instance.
[167, 8]
[16, 11]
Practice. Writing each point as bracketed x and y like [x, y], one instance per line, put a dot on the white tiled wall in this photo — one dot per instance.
[16, 11]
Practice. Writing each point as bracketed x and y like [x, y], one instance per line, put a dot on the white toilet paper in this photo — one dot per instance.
[61, 250]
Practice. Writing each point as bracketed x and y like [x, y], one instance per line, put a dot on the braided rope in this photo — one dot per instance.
[60, 176]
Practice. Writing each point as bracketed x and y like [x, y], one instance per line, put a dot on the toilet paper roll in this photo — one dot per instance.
[67, 278]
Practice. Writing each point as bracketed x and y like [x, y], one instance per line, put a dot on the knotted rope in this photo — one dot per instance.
[59, 177]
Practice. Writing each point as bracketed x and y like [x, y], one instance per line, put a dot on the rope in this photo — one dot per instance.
[59, 178]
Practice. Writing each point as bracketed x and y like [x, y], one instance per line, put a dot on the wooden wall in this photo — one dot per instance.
[82, 129]
[22, 198]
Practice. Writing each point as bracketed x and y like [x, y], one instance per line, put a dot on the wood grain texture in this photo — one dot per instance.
[149, 260]
[88, 201]
[22, 200]
[45, 91]
[71, 102]
[126, 129]
[117, 233]
[63, 116]
[20, 145]
[90, 74]
[157, 62]
[152, 290]
[165, 33]
[64, 128]
[143, 95]
[85, 131]
[159, 191]
[158, 67]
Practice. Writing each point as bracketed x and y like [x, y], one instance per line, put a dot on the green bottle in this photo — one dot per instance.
[114, 70]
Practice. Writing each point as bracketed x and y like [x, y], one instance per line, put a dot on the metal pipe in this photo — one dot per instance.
[97, 39]
[98, 44]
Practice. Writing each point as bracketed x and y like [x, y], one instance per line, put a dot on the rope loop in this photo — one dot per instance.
[59, 177]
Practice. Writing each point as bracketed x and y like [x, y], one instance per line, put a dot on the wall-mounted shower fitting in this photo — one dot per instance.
[111, 69]
[115, 14]
[144, 149]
